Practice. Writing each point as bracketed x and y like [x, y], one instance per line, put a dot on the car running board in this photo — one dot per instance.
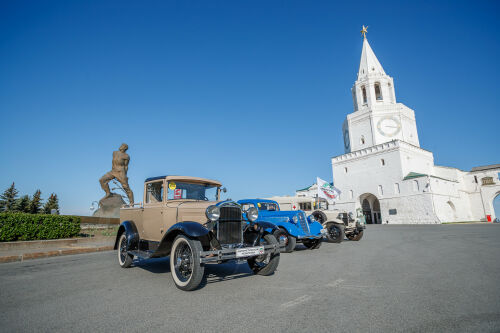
[141, 254]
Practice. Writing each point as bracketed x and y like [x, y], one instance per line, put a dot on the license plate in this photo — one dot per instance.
[249, 251]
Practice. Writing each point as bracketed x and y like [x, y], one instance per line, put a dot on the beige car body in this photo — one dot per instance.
[153, 218]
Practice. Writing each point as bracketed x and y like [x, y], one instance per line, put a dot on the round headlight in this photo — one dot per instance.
[212, 213]
[252, 214]
[295, 219]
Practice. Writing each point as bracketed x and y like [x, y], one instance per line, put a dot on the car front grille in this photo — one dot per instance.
[303, 223]
[229, 229]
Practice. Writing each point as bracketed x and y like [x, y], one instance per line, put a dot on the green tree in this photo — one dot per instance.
[36, 203]
[22, 204]
[52, 203]
[8, 198]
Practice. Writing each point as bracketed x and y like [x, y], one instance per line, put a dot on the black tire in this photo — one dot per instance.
[124, 259]
[319, 216]
[312, 244]
[356, 237]
[187, 272]
[334, 232]
[267, 263]
[282, 236]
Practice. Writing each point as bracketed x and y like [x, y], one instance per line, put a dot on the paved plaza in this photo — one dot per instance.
[425, 278]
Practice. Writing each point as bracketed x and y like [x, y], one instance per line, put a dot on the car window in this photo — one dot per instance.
[245, 206]
[194, 191]
[154, 192]
[269, 206]
[305, 206]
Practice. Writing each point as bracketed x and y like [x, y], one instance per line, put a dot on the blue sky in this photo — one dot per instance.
[252, 93]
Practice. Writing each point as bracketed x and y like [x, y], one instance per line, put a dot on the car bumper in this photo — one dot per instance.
[318, 236]
[228, 254]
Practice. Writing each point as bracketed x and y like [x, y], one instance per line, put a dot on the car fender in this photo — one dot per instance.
[290, 228]
[190, 229]
[129, 228]
[336, 221]
[267, 226]
[315, 227]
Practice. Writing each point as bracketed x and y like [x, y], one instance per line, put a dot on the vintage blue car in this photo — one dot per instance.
[293, 226]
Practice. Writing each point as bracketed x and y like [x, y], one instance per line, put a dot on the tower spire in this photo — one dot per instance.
[369, 64]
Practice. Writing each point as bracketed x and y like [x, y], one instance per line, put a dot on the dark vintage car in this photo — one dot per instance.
[183, 217]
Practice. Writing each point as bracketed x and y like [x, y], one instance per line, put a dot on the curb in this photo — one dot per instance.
[56, 253]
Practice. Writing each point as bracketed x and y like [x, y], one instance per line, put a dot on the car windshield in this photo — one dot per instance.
[194, 191]
[270, 206]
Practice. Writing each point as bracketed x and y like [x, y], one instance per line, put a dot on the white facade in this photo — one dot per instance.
[384, 170]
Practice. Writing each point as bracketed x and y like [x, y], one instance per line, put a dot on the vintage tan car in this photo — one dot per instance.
[183, 217]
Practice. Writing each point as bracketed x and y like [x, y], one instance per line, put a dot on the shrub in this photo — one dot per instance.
[22, 226]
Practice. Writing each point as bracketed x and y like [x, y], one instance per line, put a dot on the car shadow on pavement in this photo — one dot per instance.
[223, 272]
[154, 265]
[213, 272]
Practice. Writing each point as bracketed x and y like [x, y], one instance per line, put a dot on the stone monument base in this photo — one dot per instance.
[110, 206]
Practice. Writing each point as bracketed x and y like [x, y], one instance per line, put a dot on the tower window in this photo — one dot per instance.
[378, 92]
[365, 99]
[351, 194]
[396, 188]
[380, 190]
[345, 170]
[354, 100]
[415, 186]
[362, 140]
[382, 161]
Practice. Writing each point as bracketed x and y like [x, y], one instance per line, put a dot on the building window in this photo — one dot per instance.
[475, 179]
[351, 194]
[380, 190]
[382, 161]
[378, 92]
[365, 99]
[415, 185]
[362, 140]
[396, 188]
[345, 170]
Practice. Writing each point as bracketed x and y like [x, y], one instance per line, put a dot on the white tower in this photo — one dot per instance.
[377, 117]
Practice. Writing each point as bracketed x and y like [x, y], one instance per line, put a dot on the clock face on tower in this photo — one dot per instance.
[346, 139]
[388, 126]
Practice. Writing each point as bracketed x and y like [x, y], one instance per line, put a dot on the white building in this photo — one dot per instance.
[384, 170]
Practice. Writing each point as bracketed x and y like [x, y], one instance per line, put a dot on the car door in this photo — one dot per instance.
[154, 204]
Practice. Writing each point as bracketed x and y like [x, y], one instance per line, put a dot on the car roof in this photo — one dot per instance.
[186, 178]
[257, 200]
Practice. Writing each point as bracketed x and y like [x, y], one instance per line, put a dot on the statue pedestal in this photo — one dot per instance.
[110, 206]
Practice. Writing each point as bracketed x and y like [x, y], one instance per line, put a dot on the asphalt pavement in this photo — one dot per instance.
[423, 278]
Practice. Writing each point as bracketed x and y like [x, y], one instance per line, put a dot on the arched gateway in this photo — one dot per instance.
[495, 203]
[371, 208]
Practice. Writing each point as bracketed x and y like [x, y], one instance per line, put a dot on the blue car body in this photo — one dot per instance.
[304, 228]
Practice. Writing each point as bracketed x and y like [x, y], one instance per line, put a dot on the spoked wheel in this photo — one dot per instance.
[124, 259]
[356, 237]
[284, 238]
[312, 243]
[334, 233]
[267, 263]
[185, 266]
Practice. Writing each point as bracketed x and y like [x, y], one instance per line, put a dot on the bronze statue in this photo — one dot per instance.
[119, 172]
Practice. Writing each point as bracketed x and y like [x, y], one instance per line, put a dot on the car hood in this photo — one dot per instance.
[193, 211]
[283, 213]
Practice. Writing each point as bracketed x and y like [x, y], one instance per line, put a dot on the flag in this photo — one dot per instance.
[327, 191]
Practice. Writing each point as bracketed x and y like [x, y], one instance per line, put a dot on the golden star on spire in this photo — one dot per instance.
[364, 31]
